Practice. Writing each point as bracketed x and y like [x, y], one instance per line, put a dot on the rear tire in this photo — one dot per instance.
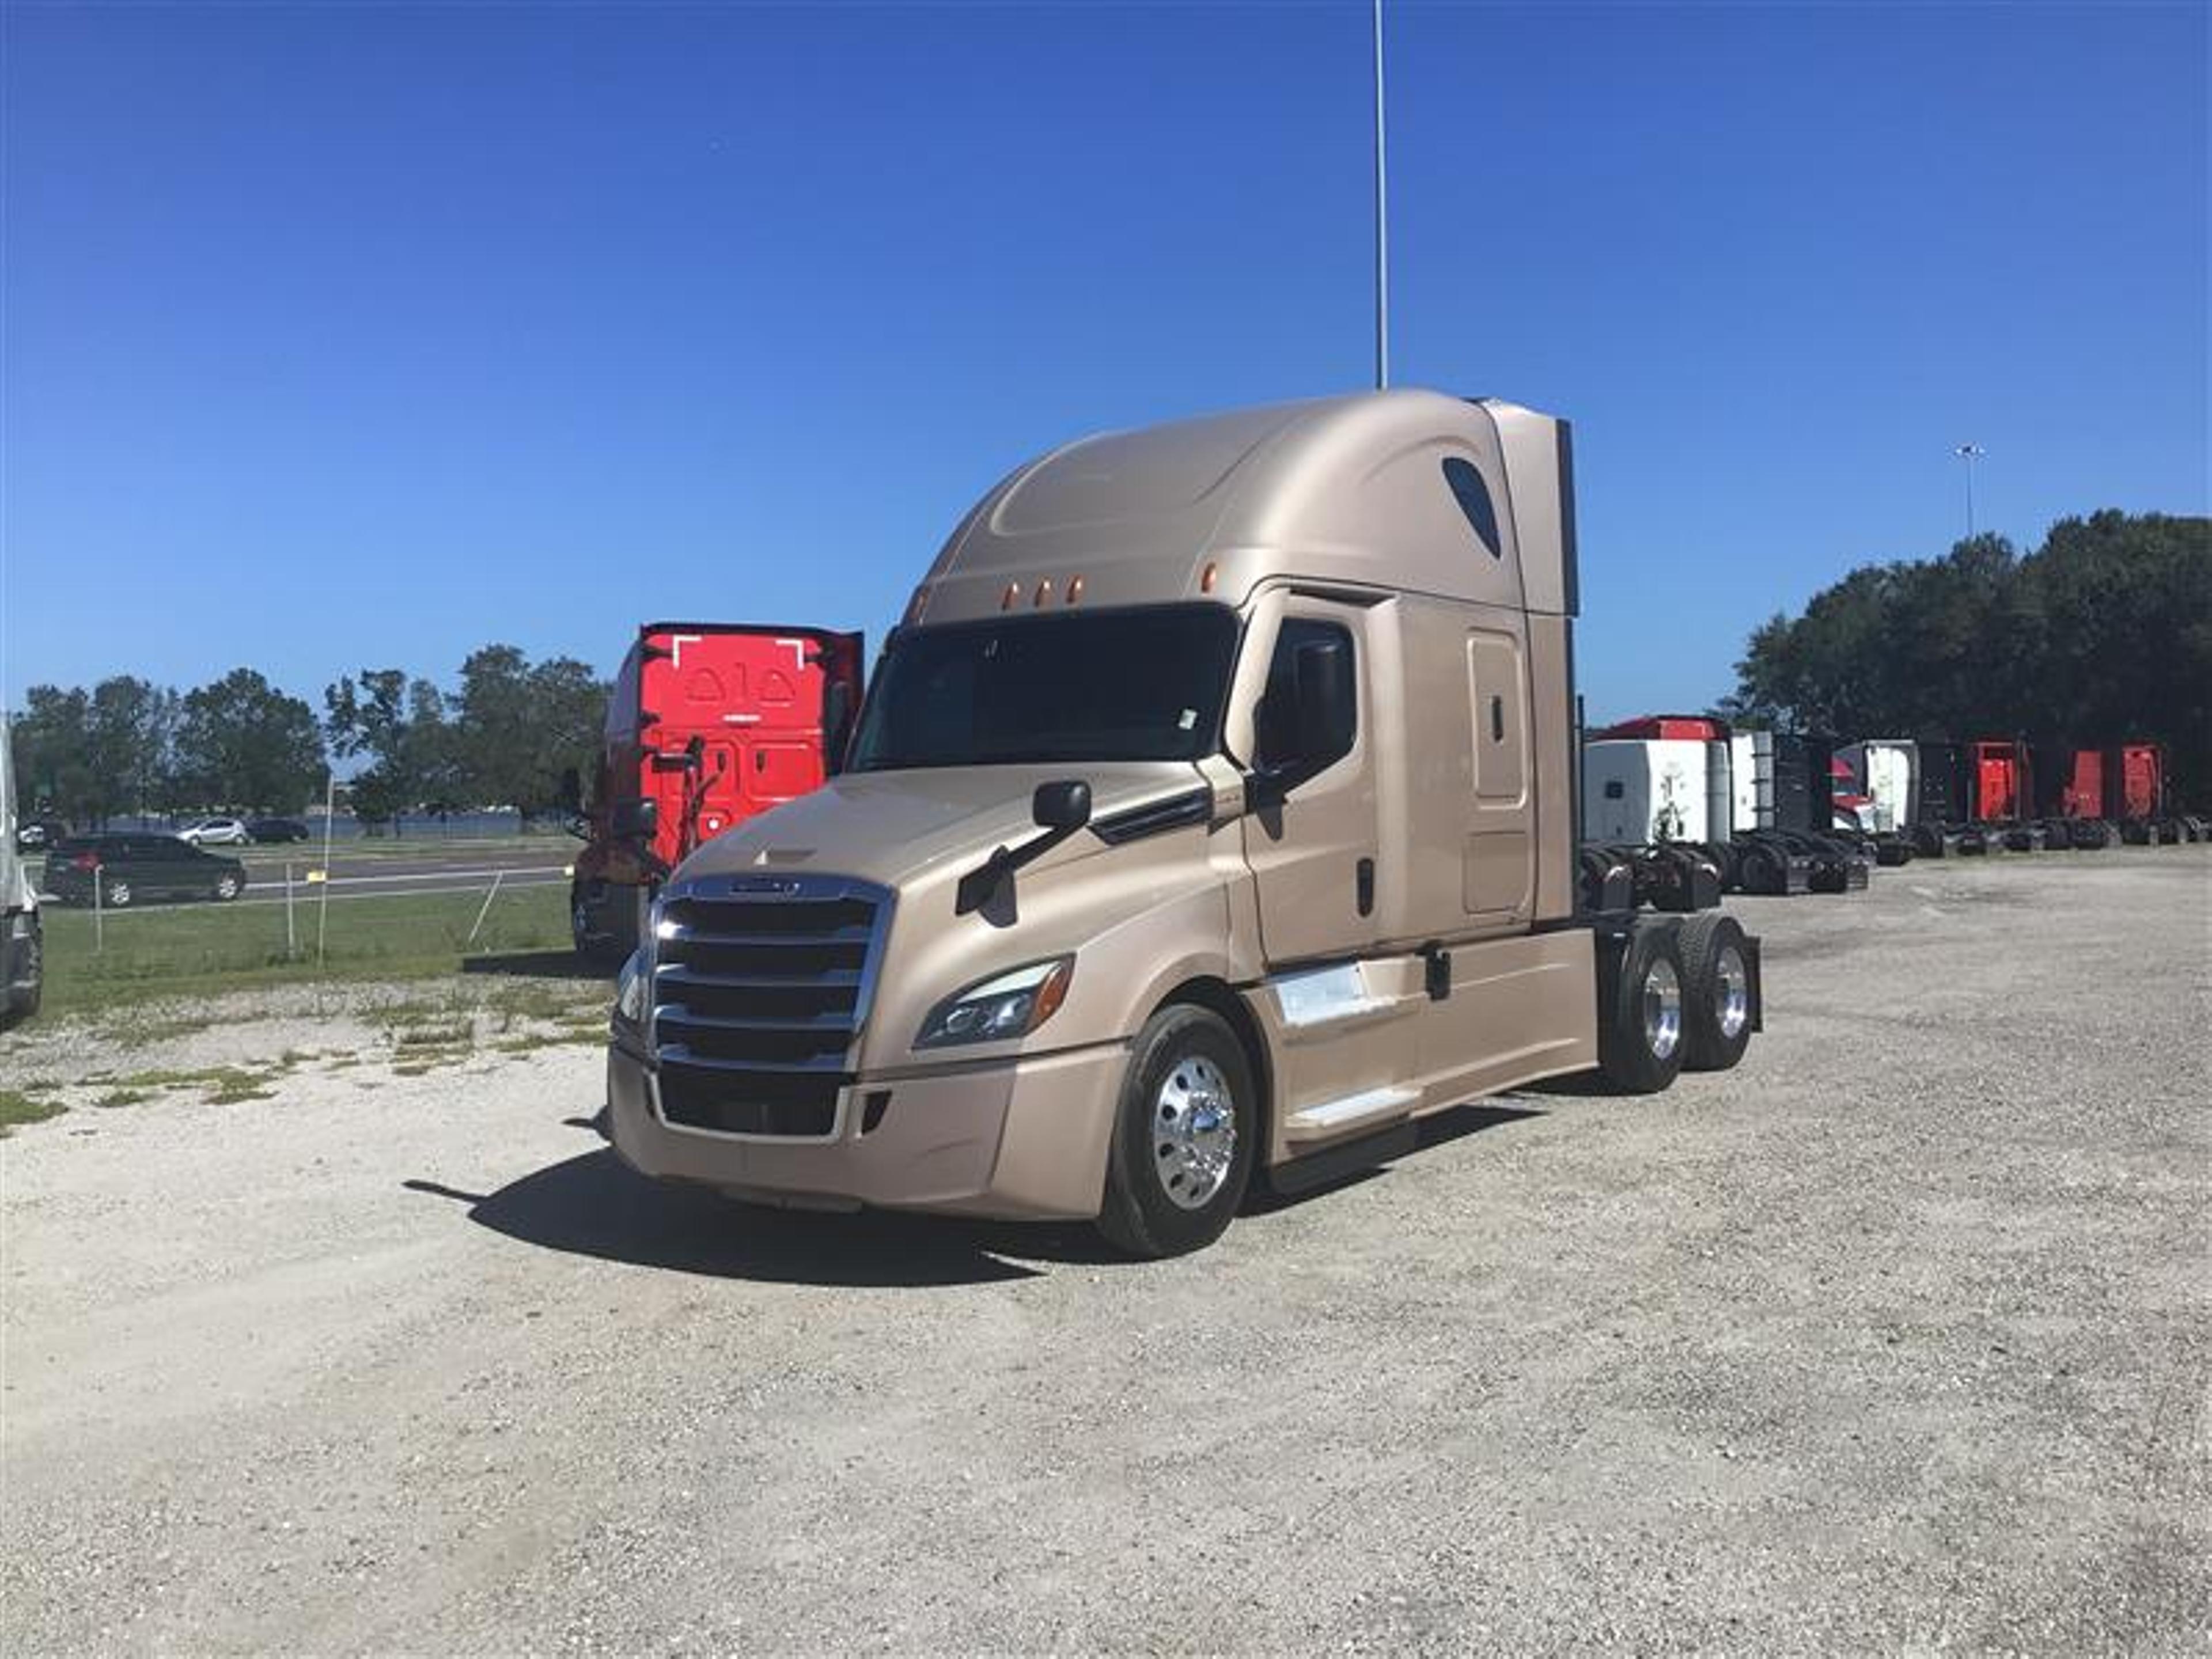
[227, 888]
[1715, 992]
[1640, 1008]
[1759, 871]
[1173, 1178]
[118, 896]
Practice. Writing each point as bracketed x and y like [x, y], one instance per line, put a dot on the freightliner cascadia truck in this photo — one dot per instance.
[1210, 818]
[711, 722]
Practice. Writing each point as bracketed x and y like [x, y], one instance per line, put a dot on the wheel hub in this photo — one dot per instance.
[1662, 1009]
[1194, 1133]
[1734, 980]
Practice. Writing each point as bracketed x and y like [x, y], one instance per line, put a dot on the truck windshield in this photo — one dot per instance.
[1144, 683]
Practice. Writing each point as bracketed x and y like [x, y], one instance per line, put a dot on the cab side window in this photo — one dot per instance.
[1275, 720]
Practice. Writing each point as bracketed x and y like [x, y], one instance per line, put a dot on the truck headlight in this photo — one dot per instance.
[631, 987]
[997, 1010]
[633, 984]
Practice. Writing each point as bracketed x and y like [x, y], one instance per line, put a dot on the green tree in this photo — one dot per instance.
[244, 745]
[400, 724]
[53, 743]
[2102, 636]
[130, 740]
[519, 726]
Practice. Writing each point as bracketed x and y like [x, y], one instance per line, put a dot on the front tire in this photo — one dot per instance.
[1185, 1135]
[227, 888]
[1640, 1011]
[118, 896]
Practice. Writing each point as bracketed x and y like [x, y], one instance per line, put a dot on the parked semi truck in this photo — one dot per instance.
[21, 943]
[711, 723]
[1763, 808]
[2005, 794]
[2119, 791]
[1210, 817]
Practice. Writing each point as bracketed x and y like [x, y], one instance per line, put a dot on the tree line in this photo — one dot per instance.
[505, 734]
[2101, 635]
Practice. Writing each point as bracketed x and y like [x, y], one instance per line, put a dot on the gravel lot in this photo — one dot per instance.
[1895, 1338]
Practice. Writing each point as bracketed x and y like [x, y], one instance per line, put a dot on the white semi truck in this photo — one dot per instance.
[21, 946]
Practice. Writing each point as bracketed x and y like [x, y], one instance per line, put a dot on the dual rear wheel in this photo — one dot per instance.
[1671, 996]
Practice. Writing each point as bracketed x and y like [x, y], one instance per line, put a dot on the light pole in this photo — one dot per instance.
[1968, 453]
[1382, 225]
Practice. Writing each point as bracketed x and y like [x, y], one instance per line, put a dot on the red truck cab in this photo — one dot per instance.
[712, 723]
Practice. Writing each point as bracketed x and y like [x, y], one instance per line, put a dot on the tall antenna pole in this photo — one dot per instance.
[1965, 452]
[1382, 225]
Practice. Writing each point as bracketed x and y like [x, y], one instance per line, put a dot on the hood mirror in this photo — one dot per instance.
[1065, 805]
[636, 817]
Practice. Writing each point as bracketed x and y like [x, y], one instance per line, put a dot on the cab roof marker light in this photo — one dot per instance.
[1006, 600]
[1043, 592]
[1074, 589]
[1207, 577]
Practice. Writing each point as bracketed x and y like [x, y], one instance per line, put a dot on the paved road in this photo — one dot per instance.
[430, 869]
[1897, 1339]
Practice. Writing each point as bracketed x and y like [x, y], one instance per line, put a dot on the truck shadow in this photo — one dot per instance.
[595, 1205]
[536, 964]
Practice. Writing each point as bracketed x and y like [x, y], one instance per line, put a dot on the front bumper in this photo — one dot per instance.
[1018, 1139]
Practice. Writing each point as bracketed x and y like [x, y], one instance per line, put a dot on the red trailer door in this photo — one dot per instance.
[1997, 782]
[2084, 797]
[738, 720]
[2141, 782]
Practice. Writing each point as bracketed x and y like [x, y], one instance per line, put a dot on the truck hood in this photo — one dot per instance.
[896, 828]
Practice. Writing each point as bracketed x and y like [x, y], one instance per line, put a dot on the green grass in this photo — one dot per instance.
[17, 1108]
[191, 949]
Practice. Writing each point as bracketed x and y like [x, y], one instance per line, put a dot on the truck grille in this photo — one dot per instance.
[759, 991]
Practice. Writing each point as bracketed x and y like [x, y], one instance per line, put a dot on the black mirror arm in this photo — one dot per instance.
[978, 885]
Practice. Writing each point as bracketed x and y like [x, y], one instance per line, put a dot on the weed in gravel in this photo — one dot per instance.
[455, 1034]
[17, 1108]
[230, 1084]
[115, 1097]
[220, 1086]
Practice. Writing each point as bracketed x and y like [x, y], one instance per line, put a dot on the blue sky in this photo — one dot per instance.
[346, 336]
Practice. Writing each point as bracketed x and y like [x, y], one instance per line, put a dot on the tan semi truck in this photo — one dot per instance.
[1210, 820]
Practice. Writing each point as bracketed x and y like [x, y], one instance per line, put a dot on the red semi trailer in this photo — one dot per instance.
[709, 724]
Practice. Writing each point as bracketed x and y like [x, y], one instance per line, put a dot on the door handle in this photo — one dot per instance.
[1364, 882]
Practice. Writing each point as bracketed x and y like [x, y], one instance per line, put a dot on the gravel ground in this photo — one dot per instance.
[1896, 1338]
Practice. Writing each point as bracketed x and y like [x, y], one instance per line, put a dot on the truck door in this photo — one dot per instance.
[1313, 853]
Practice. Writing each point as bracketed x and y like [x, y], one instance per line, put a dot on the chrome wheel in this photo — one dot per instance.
[1193, 1131]
[1663, 1008]
[1732, 980]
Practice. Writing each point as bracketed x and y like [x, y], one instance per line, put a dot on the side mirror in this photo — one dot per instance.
[1321, 706]
[837, 720]
[1065, 805]
[636, 817]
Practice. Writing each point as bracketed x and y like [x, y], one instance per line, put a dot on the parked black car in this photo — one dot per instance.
[131, 869]
[269, 831]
